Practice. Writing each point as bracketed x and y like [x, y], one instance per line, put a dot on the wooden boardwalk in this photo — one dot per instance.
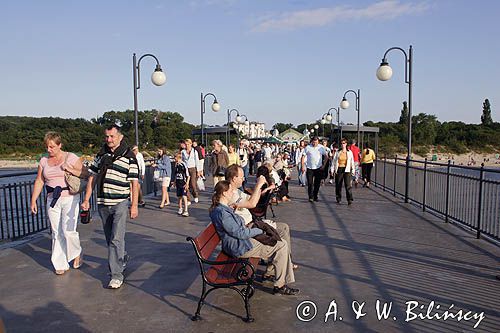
[377, 250]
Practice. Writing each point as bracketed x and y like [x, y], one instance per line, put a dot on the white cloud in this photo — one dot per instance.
[383, 10]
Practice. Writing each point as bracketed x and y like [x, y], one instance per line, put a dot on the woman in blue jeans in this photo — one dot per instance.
[238, 241]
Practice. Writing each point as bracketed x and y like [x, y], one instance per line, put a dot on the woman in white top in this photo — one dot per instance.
[343, 167]
[62, 206]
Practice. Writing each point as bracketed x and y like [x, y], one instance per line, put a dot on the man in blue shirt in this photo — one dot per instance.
[314, 159]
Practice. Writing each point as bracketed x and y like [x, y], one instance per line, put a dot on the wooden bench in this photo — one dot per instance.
[224, 271]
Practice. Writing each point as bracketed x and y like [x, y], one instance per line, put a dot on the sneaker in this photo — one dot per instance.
[330, 181]
[196, 200]
[180, 211]
[349, 203]
[189, 202]
[126, 259]
[311, 200]
[115, 284]
[186, 214]
[285, 290]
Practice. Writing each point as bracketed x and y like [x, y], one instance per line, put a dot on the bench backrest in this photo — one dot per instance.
[207, 241]
[260, 209]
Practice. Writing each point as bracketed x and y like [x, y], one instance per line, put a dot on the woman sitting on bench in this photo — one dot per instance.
[237, 239]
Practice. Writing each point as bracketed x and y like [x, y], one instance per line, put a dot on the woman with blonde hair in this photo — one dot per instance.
[62, 206]
[233, 156]
[164, 165]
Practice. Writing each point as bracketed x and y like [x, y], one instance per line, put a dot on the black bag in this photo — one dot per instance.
[220, 171]
[269, 237]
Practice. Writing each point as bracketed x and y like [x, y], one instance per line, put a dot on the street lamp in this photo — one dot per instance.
[325, 119]
[215, 108]
[329, 117]
[345, 104]
[238, 120]
[384, 73]
[158, 78]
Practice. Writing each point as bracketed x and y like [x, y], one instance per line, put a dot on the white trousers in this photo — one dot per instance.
[65, 239]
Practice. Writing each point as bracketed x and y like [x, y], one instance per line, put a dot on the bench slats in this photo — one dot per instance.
[207, 241]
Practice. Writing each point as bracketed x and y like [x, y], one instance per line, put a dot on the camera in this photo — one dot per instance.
[85, 216]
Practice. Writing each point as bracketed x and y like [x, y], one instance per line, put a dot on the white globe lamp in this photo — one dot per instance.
[384, 72]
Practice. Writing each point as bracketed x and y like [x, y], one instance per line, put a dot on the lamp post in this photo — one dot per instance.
[215, 108]
[345, 104]
[384, 73]
[158, 78]
[239, 120]
[327, 118]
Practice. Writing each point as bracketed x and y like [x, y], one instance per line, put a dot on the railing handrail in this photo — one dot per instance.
[467, 167]
[22, 173]
[467, 198]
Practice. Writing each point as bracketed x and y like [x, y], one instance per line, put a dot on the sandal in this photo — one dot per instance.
[78, 262]
[294, 266]
[61, 271]
[285, 290]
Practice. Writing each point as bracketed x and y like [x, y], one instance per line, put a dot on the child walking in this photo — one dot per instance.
[181, 184]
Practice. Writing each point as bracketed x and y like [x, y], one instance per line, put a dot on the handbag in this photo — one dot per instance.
[270, 236]
[156, 176]
[76, 184]
[200, 183]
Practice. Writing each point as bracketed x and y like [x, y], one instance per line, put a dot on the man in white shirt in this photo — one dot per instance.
[242, 153]
[190, 157]
[268, 153]
[314, 159]
[298, 159]
[142, 170]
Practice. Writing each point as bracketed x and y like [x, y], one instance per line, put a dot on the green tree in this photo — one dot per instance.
[486, 116]
[403, 118]
[281, 127]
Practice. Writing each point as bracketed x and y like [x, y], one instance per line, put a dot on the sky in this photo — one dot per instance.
[274, 61]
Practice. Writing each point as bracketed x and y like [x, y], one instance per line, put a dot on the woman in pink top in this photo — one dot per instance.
[62, 207]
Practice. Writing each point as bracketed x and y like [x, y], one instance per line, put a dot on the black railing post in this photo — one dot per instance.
[407, 176]
[425, 184]
[395, 171]
[447, 192]
[480, 201]
[384, 172]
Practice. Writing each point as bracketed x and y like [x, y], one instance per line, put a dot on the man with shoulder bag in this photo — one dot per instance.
[116, 173]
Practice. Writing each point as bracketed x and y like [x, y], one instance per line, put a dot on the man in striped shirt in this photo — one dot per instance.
[116, 172]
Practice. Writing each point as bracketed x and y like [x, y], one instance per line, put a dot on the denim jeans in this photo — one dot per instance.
[114, 219]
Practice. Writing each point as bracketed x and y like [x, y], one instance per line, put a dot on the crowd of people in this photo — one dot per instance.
[118, 170]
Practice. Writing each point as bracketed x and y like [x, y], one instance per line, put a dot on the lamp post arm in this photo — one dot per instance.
[357, 97]
[407, 61]
[206, 95]
[138, 67]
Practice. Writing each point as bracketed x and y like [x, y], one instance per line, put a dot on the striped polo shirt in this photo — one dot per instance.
[116, 185]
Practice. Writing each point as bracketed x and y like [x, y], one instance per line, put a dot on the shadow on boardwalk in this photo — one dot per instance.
[376, 249]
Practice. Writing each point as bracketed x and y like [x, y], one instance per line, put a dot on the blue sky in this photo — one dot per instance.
[275, 61]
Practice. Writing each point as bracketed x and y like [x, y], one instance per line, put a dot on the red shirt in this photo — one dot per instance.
[355, 152]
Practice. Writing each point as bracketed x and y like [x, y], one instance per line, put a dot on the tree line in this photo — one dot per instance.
[427, 132]
[22, 136]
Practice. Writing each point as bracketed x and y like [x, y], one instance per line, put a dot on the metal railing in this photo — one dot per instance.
[466, 195]
[16, 219]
